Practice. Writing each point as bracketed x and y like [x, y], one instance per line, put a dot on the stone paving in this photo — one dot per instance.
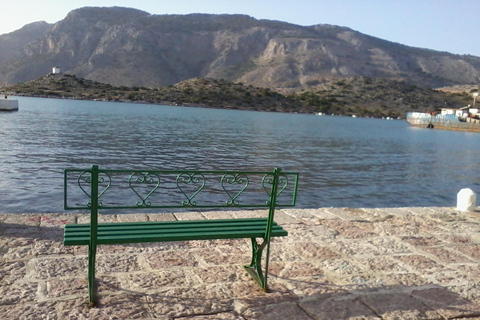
[336, 263]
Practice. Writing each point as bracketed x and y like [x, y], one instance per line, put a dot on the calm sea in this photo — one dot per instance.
[343, 162]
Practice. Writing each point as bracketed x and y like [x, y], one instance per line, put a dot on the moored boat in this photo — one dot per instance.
[444, 121]
[8, 105]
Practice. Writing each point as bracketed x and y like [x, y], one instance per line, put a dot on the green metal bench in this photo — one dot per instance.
[94, 189]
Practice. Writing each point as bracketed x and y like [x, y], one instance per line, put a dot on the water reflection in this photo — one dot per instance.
[342, 161]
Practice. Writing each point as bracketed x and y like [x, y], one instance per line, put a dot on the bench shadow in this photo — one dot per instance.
[430, 301]
[12, 230]
[337, 302]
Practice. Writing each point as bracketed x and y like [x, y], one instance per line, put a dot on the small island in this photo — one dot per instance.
[356, 96]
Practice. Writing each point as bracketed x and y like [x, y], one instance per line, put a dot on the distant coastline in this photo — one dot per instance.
[358, 96]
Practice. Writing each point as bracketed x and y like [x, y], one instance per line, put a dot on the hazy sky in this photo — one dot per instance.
[444, 25]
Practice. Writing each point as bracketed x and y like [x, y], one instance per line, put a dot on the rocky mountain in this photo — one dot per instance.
[129, 47]
[13, 43]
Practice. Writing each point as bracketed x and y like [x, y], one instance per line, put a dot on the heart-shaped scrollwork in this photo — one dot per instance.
[281, 186]
[144, 184]
[234, 185]
[85, 179]
[193, 183]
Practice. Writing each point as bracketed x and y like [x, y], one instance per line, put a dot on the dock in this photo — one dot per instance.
[336, 263]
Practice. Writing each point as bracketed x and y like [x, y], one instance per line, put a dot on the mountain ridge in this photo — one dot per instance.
[124, 46]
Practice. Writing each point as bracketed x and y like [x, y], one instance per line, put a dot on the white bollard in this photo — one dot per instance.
[466, 200]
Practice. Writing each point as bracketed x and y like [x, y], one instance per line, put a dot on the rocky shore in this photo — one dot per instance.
[336, 263]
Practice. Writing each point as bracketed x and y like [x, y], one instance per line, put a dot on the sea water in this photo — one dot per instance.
[343, 161]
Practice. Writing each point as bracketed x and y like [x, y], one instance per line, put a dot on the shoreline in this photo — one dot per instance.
[336, 263]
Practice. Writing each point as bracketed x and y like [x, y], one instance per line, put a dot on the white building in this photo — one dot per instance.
[55, 70]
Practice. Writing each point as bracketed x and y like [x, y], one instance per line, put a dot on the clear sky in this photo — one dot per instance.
[444, 25]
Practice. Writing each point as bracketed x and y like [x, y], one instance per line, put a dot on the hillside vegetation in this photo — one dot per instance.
[359, 96]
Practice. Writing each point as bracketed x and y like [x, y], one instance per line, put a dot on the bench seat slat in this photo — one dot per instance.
[186, 223]
[135, 232]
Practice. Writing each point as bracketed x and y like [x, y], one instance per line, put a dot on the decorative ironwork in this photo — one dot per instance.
[85, 178]
[190, 179]
[150, 189]
[143, 181]
[234, 179]
[281, 186]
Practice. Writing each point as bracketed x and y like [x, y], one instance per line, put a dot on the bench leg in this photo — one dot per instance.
[92, 251]
[255, 267]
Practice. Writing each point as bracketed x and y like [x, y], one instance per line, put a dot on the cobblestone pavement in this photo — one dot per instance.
[336, 263]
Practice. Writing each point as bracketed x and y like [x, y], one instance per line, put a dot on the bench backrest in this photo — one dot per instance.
[95, 188]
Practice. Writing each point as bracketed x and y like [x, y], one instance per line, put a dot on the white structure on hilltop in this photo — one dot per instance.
[56, 70]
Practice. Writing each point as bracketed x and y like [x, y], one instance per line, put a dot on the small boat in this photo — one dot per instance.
[8, 105]
[445, 121]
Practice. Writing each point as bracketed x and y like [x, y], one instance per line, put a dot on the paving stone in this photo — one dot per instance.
[56, 220]
[337, 307]
[312, 286]
[447, 303]
[388, 245]
[448, 256]
[284, 219]
[221, 274]
[380, 264]
[18, 292]
[309, 216]
[289, 311]
[228, 256]
[341, 267]
[346, 213]
[17, 248]
[315, 251]
[301, 269]
[109, 307]
[189, 216]
[410, 226]
[250, 213]
[452, 275]
[39, 310]
[364, 283]
[249, 295]
[456, 239]
[117, 263]
[422, 241]
[184, 302]
[66, 287]
[312, 233]
[351, 229]
[210, 215]
[150, 282]
[168, 259]
[216, 316]
[336, 263]
[397, 305]
[359, 247]
[44, 268]
[101, 218]
[161, 217]
[11, 271]
[472, 251]
[405, 279]
[132, 217]
[469, 291]
[420, 263]
[50, 247]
